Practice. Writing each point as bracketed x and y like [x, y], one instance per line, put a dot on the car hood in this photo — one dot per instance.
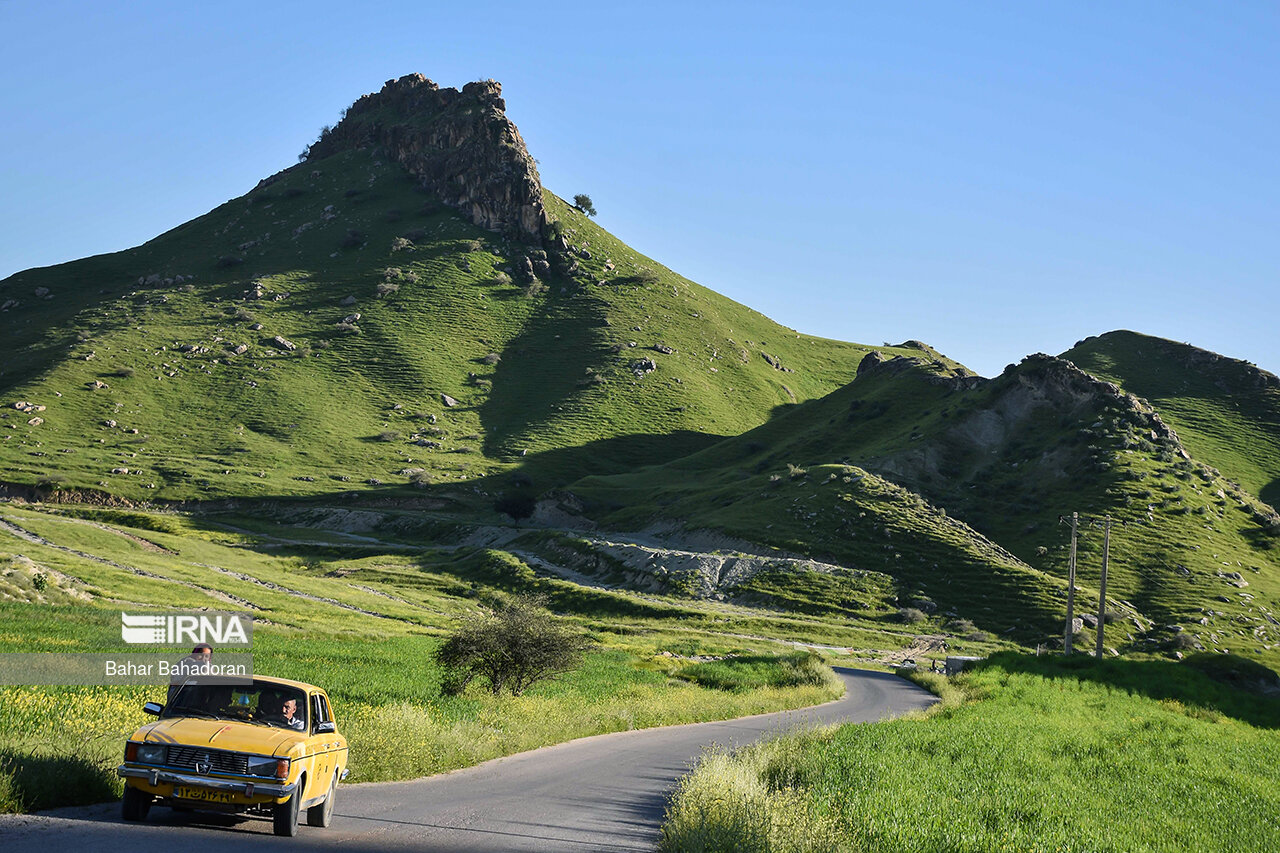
[221, 734]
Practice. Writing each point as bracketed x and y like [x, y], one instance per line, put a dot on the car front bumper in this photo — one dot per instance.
[154, 776]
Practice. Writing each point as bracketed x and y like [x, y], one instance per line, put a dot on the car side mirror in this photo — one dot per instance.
[153, 708]
[326, 728]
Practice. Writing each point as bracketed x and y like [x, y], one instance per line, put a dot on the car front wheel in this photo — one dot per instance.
[285, 815]
[135, 804]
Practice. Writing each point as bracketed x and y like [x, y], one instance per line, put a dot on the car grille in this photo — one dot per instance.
[187, 757]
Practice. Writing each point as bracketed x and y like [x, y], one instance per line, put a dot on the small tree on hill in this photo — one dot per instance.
[513, 647]
[583, 203]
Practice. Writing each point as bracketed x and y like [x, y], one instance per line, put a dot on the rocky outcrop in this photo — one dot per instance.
[988, 433]
[651, 567]
[459, 144]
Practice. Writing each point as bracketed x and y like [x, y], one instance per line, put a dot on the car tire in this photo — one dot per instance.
[135, 805]
[284, 816]
[322, 815]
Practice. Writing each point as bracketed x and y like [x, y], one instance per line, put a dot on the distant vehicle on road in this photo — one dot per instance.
[269, 748]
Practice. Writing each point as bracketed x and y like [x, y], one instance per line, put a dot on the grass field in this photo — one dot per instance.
[1044, 754]
[361, 617]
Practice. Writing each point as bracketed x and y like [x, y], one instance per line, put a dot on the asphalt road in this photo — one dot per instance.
[604, 793]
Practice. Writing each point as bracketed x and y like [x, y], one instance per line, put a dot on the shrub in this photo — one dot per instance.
[388, 435]
[401, 244]
[795, 472]
[519, 505]
[911, 615]
[583, 202]
[512, 648]
[500, 279]
[386, 288]
[492, 358]
[348, 328]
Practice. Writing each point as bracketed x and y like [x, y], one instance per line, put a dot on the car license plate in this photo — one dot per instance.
[207, 795]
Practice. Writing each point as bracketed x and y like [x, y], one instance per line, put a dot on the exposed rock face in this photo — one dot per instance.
[460, 145]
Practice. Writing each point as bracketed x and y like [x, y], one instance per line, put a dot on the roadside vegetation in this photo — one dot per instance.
[1042, 754]
[365, 620]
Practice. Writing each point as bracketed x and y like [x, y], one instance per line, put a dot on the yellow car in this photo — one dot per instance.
[269, 748]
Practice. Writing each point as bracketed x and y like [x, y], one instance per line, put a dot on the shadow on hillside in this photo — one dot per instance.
[1226, 684]
[618, 455]
[1270, 494]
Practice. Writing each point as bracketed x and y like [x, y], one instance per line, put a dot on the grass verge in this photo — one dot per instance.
[1046, 754]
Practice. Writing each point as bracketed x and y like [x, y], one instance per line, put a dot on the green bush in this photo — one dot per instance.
[512, 648]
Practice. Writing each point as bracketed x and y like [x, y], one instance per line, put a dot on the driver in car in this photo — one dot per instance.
[287, 715]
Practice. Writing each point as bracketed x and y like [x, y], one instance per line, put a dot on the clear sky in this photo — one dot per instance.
[995, 179]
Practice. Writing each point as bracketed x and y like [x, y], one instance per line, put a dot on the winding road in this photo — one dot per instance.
[603, 793]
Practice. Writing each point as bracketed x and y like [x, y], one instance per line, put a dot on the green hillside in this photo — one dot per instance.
[161, 359]
[916, 472]
[1227, 412]
[347, 332]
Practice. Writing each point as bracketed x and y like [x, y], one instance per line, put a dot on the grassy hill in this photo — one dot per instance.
[1227, 412]
[345, 332]
[919, 473]
[163, 359]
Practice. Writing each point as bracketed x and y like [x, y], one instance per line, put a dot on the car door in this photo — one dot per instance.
[322, 744]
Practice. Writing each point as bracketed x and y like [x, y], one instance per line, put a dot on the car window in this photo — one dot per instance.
[320, 708]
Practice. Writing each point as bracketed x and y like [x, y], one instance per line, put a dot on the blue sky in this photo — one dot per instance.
[995, 179]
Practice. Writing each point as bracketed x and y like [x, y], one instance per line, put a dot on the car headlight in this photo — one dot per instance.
[152, 753]
[265, 765]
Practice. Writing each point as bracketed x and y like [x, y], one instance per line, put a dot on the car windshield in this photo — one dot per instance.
[262, 703]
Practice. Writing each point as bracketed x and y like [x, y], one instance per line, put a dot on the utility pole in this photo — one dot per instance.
[1071, 586]
[1102, 588]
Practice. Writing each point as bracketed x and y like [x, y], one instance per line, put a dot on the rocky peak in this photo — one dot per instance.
[459, 144]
